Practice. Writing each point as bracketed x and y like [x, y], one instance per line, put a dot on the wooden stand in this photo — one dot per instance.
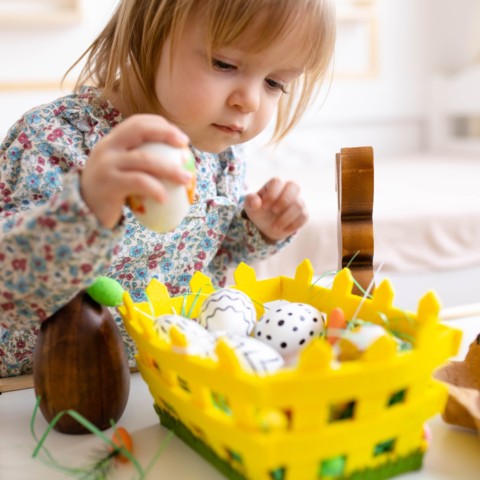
[355, 207]
[10, 384]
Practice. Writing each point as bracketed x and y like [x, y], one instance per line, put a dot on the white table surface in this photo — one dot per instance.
[453, 454]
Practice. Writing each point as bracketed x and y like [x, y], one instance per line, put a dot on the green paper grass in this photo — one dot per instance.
[100, 469]
[384, 471]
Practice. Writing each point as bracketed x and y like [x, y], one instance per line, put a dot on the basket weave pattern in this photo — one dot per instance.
[358, 419]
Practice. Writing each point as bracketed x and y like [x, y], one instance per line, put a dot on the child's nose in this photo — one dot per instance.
[246, 97]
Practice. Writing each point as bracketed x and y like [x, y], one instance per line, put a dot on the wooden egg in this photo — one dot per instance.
[80, 364]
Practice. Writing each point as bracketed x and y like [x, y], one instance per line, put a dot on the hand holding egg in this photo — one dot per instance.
[162, 217]
[118, 170]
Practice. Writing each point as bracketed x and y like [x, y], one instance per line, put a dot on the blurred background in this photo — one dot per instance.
[387, 52]
[389, 55]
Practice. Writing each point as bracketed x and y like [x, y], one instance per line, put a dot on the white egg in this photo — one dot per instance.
[289, 327]
[163, 217]
[255, 356]
[200, 341]
[363, 335]
[228, 310]
[275, 304]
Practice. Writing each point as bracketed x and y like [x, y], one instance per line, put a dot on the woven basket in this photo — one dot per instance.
[281, 426]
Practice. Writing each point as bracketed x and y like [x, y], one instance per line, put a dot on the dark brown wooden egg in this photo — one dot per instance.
[80, 364]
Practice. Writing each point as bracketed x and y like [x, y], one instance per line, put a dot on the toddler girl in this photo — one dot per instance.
[209, 74]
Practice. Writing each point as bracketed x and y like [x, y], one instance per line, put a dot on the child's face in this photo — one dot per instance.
[229, 100]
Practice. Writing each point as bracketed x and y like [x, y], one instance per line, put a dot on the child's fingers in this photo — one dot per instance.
[270, 192]
[277, 195]
[155, 165]
[145, 185]
[288, 208]
[253, 202]
[291, 219]
[287, 196]
[116, 169]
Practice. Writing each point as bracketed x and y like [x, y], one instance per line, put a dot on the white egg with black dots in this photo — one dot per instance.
[228, 310]
[289, 327]
[255, 356]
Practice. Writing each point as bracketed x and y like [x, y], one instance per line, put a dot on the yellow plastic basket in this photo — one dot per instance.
[280, 426]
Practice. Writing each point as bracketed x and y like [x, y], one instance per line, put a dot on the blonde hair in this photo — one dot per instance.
[134, 38]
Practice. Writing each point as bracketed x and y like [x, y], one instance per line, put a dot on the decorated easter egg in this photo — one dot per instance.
[364, 334]
[200, 341]
[255, 356]
[289, 328]
[228, 310]
[162, 217]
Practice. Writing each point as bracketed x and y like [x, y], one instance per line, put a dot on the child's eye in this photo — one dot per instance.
[224, 66]
[276, 85]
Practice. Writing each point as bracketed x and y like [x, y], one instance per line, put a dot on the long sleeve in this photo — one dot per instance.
[51, 245]
[242, 241]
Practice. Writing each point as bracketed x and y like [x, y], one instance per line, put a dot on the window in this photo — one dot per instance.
[39, 12]
[356, 49]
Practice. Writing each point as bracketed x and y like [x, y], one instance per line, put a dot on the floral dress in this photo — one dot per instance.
[52, 246]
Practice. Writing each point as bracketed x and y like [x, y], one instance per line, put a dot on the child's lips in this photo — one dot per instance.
[231, 129]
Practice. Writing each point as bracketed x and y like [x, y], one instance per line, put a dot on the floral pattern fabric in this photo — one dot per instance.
[52, 246]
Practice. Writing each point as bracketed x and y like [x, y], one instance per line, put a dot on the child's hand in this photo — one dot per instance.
[116, 169]
[276, 209]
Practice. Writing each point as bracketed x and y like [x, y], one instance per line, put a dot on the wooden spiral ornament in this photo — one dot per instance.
[355, 182]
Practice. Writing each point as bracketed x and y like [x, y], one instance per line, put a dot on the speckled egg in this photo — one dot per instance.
[289, 327]
[200, 340]
[255, 356]
[228, 310]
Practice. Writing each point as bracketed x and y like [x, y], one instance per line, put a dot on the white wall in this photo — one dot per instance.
[456, 31]
[48, 50]
[41, 54]
[416, 39]
[388, 111]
